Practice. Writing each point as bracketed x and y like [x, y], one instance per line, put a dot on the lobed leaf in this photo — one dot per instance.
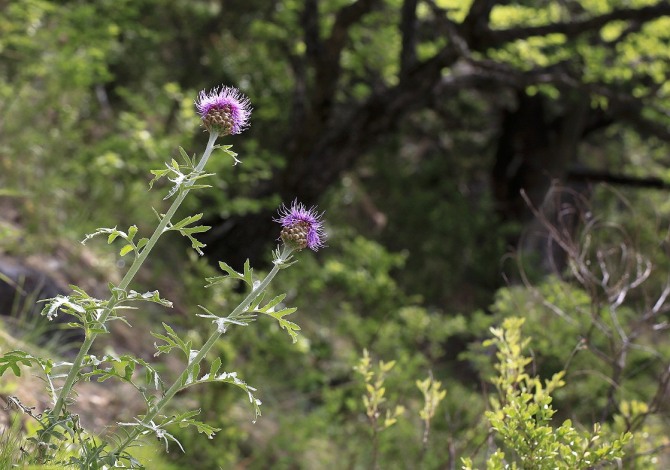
[14, 360]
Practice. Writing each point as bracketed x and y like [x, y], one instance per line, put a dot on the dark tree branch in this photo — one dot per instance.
[345, 140]
[358, 130]
[408, 32]
[449, 29]
[478, 17]
[337, 149]
[484, 74]
[345, 19]
[572, 29]
[328, 69]
[309, 20]
[299, 101]
[595, 176]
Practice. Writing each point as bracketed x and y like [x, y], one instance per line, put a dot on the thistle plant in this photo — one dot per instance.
[223, 111]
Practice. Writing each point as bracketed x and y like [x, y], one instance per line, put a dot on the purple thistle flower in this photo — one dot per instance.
[224, 110]
[302, 227]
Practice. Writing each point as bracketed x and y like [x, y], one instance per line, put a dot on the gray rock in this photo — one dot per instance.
[21, 289]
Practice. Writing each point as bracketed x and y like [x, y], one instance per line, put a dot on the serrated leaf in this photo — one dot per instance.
[226, 149]
[290, 327]
[204, 428]
[173, 341]
[231, 272]
[248, 273]
[158, 174]
[169, 343]
[13, 360]
[197, 245]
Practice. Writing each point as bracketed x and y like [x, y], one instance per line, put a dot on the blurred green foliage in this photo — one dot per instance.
[95, 94]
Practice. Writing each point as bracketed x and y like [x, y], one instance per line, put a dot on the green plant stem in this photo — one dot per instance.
[181, 382]
[125, 282]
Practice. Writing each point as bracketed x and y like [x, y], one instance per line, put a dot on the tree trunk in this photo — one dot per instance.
[534, 155]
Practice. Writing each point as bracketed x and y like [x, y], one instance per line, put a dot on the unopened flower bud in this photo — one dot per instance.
[296, 235]
[301, 227]
[224, 110]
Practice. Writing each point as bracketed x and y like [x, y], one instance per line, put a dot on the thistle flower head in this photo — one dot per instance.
[224, 110]
[301, 227]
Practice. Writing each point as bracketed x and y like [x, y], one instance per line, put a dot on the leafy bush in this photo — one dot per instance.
[521, 416]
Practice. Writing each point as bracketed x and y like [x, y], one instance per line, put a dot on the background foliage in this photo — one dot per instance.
[418, 126]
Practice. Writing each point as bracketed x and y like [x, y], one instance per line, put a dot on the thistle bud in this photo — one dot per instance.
[301, 227]
[224, 110]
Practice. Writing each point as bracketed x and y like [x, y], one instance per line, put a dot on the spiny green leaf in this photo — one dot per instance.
[158, 174]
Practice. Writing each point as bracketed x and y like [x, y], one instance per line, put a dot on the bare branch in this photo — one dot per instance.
[329, 66]
[572, 29]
